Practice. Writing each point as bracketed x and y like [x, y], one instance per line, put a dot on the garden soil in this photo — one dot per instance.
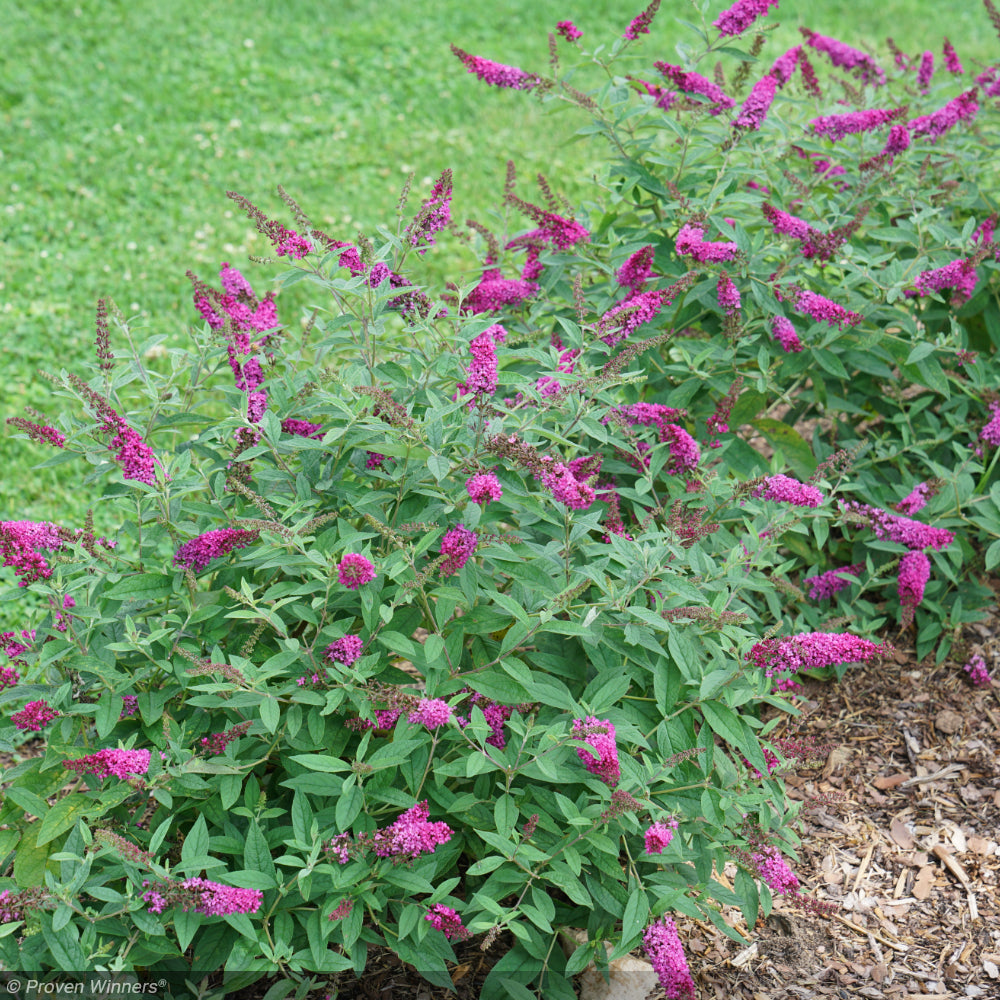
[900, 829]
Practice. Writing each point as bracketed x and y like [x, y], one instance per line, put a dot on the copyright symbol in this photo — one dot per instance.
[13, 985]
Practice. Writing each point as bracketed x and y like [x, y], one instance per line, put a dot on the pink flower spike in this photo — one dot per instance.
[345, 650]
[757, 104]
[446, 920]
[431, 712]
[118, 763]
[914, 572]
[785, 334]
[36, 715]
[773, 870]
[641, 22]
[355, 571]
[497, 74]
[991, 431]
[569, 31]
[599, 734]
[665, 952]
[784, 489]
[198, 552]
[483, 488]
[741, 15]
[978, 674]
[659, 835]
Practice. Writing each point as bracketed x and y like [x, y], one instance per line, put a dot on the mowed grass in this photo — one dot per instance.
[124, 123]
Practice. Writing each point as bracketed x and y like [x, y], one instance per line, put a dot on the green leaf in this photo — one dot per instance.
[28, 801]
[196, 842]
[270, 713]
[993, 555]
[725, 723]
[505, 814]
[30, 860]
[62, 816]
[64, 945]
[634, 919]
[141, 587]
[320, 762]
[257, 855]
[439, 467]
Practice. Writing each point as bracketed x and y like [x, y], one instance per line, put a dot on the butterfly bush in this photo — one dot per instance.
[406, 623]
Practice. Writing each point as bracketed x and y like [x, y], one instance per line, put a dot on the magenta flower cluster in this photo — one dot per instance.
[622, 319]
[483, 488]
[496, 716]
[637, 270]
[345, 650]
[978, 674]
[599, 734]
[784, 334]
[355, 571]
[784, 489]
[727, 294]
[991, 430]
[447, 920]
[844, 56]
[666, 954]
[690, 244]
[904, 530]
[434, 215]
[431, 712]
[835, 127]
[914, 572]
[35, 715]
[694, 83]
[915, 500]
[741, 15]
[495, 292]
[569, 31]
[481, 376]
[818, 307]
[217, 742]
[20, 542]
[773, 869]
[198, 552]
[825, 585]
[560, 481]
[758, 103]
[496, 74]
[811, 651]
[959, 274]
[198, 894]
[118, 763]
[659, 835]
[639, 24]
[457, 545]
[411, 834]
[961, 109]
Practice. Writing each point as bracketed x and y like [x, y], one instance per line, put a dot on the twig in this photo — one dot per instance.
[895, 945]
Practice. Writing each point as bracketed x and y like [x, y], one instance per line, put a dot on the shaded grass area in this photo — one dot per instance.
[126, 122]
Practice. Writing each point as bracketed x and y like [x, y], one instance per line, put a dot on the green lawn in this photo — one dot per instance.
[125, 123]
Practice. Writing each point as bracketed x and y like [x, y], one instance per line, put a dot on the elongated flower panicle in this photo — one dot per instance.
[914, 572]
[599, 734]
[925, 72]
[457, 545]
[665, 952]
[198, 552]
[784, 66]
[497, 74]
[39, 433]
[447, 920]
[904, 530]
[818, 307]
[569, 31]
[991, 431]
[961, 109]
[302, 428]
[483, 488]
[495, 292]
[621, 320]
[641, 22]
[836, 127]
[434, 215]
[567, 489]
[118, 763]
[198, 894]
[690, 243]
[286, 242]
[784, 489]
[978, 674]
[784, 333]
[773, 869]
[741, 15]
[663, 98]
[410, 835]
[695, 83]
[951, 61]
[481, 376]
[345, 650]
[431, 712]
[757, 104]
[812, 651]
[36, 715]
[217, 742]
[21, 543]
[659, 835]
[917, 498]
[637, 270]
[9, 677]
[846, 57]
[825, 585]
[959, 275]
[355, 571]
